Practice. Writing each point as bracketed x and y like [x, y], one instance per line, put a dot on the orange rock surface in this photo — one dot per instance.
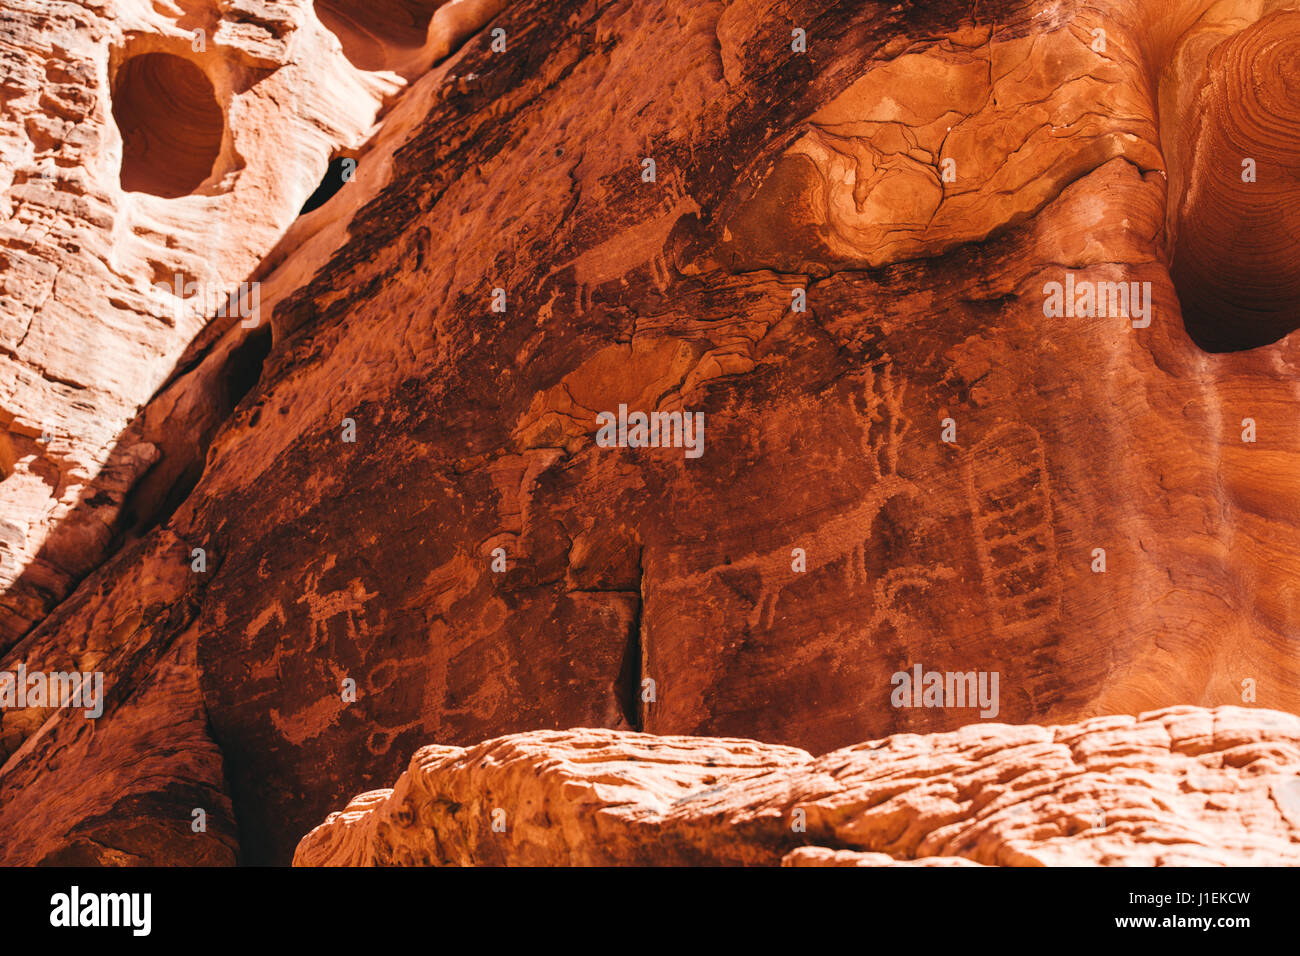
[986, 312]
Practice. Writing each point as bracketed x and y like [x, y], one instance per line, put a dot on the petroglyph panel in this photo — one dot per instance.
[1010, 499]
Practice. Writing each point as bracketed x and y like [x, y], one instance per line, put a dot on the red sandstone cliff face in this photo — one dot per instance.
[837, 250]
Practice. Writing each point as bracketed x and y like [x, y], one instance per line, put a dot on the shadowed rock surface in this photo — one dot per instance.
[503, 267]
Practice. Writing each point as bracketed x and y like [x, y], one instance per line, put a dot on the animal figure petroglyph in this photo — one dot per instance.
[348, 603]
[845, 536]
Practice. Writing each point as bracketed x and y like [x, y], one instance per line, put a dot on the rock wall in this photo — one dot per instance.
[379, 513]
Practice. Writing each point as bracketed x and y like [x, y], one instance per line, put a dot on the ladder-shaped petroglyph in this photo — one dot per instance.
[845, 537]
[1011, 509]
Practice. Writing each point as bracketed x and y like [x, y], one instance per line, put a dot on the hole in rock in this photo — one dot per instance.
[371, 33]
[1238, 210]
[7, 456]
[1235, 286]
[340, 171]
[171, 124]
[244, 367]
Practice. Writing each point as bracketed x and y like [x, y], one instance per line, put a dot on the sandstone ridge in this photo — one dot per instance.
[1182, 786]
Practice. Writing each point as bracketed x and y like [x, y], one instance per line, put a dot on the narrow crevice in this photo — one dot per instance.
[628, 685]
[340, 171]
[244, 368]
[155, 498]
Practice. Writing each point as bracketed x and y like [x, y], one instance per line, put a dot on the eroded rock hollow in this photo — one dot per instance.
[327, 335]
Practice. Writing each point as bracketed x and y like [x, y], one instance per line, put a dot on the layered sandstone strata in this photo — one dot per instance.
[836, 251]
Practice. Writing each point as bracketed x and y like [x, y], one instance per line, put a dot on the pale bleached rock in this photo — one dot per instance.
[134, 152]
[821, 856]
[146, 145]
[1183, 786]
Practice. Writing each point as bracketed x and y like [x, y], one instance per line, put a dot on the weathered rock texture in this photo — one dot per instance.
[920, 172]
[1237, 238]
[1184, 786]
[136, 156]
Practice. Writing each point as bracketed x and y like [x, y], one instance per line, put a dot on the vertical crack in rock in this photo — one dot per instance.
[632, 670]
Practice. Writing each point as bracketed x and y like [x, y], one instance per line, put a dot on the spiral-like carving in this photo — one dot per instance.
[1238, 223]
